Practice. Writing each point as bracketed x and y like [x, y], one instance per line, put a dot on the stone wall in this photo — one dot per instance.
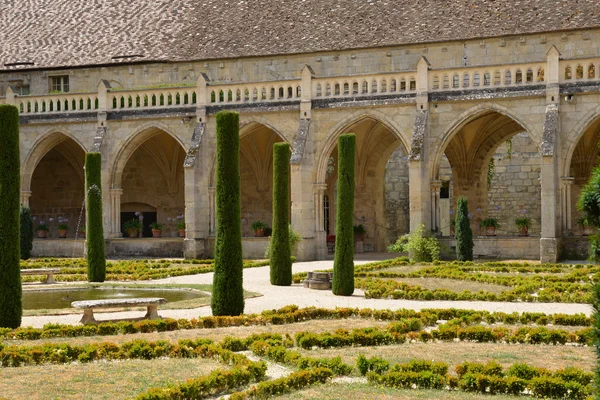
[397, 196]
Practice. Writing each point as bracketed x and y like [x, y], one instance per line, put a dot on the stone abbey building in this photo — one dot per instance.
[498, 101]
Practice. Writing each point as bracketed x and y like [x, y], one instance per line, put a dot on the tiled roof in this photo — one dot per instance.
[55, 33]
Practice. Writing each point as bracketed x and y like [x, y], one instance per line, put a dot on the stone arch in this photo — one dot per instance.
[46, 142]
[468, 116]
[331, 141]
[574, 137]
[138, 137]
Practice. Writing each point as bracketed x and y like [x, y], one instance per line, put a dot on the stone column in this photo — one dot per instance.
[567, 224]
[420, 196]
[212, 200]
[435, 205]
[197, 211]
[304, 213]
[25, 196]
[320, 234]
[115, 212]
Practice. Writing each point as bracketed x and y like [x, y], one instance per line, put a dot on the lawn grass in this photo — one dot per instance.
[453, 285]
[121, 379]
[363, 391]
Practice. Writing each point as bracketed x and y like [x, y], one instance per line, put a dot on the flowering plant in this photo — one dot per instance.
[180, 222]
[42, 227]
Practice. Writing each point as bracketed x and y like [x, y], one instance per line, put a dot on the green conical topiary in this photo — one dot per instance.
[95, 256]
[228, 291]
[343, 265]
[281, 261]
[463, 232]
[11, 307]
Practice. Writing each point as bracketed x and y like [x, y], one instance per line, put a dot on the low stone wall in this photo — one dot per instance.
[253, 248]
[58, 248]
[163, 247]
[507, 247]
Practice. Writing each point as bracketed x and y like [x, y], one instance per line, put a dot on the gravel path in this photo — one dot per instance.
[257, 280]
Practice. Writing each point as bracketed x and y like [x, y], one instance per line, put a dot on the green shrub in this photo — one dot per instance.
[26, 233]
[343, 265]
[373, 364]
[96, 259]
[463, 234]
[281, 262]
[228, 293]
[420, 246]
[11, 307]
[596, 329]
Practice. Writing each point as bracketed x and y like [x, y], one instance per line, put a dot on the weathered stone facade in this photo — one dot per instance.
[424, 114]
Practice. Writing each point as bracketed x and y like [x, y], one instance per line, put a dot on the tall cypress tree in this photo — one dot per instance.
[11, 307]
[281, 261]
[343, 265]
[26, 233]
[463, 232]
[228, 291]
[596, 334]
[96, 259]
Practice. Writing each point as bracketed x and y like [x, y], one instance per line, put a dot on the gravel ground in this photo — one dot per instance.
[257, 280]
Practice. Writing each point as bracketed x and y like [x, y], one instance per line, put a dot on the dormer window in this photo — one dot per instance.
[59, 83]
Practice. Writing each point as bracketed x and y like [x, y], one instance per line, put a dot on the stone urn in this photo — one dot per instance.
[42, 234]
[62, 233]
[181, 233]
[156, 233]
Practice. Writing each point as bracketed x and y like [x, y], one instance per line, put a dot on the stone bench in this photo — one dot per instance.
[88, 306]
[49, 272]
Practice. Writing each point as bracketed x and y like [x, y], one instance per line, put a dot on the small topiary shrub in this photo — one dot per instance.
[26, 233]
[96, 259]
[343, 265]
[464, 234]
[281, 262]
[11, 307]
[228, 292]
[420, 246]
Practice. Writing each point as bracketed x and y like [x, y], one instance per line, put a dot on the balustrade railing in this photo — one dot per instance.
[254, 92]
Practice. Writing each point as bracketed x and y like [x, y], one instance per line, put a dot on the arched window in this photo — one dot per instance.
[346, 89]
[403, 85]
[213, 97]
[186, 99]
[290, 92]
[336, 91]
[355, 88]
[246, 94]
[507, 77]
[328, 90]
[298, 91]
[365, 87]
[383, 86]
[529, 75]
[456, 81]
[519, 77]
[579, 73]
[413, 84]
[263, 94]
[497, 78]
[540, 75]
[446, 84]
[476, 79]
[254, 94]
[466, 80]
[393, 85]
[319, 90]
[374, 86]
[238, 95]
[229, 96]
[568, 73]
[436, 82]
[221, 96]
[487, 79]
[591, 71]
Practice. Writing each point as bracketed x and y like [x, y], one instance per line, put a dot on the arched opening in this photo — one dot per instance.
[256, 170]
[152, 181]
[583, 160]
[57, 184]
[494, 163]
[381, 198]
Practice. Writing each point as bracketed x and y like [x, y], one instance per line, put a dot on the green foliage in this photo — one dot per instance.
[228, 292]
[589, 199]
[96, 259]
[26, 233]
[596, 331]
[42, 227]
[295, 238]
[10, 194]
[463, 234]
[63, 226]
[359, 229]
[281, 262]
[523, 222]
[133, 223]
[373, 364]
[343, 265]
[156, 226]
[489, 223]
[421, 247]
[256, 225]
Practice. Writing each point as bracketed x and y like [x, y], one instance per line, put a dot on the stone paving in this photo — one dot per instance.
[257, 280]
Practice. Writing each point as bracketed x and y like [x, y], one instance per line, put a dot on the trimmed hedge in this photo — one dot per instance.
[596, 330]
[228, 291]
[463, 232]
[11, 307]
[294, 381]
[26, 233]
[281, 262]
[343, 265]
[96, 258]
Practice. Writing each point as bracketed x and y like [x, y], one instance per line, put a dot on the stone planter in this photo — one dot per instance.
[62, 233]
[181, 233]
[523, 231]
[156, 233]
[42, 234]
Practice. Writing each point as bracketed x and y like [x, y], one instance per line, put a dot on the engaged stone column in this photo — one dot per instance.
[197, 213]
[212, 199]
[115, 212]
[25, 196]
[567, 182]
[420, 196]
[320, 234]
[435, 205]
[303, 213]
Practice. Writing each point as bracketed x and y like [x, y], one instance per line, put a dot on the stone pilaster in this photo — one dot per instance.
[435, 187]
[320, 235]
[115, 213]
[25, 196]
[304, 213]
[567, 207]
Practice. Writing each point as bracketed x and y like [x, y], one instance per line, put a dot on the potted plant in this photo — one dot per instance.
[63, 229]
[259, 228]
[132, 227]
[42, 230]
[523, 225]
[490, 224]
[587, 228]
[156, 229]
[181, 228]
[359, 233]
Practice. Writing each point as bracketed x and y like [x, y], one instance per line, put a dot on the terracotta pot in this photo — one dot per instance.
[523, 231]
[259, 232]
[156, 233]
[62, 233]
[490, 231]
[182, 233]
[133, 233]
[42, 234]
